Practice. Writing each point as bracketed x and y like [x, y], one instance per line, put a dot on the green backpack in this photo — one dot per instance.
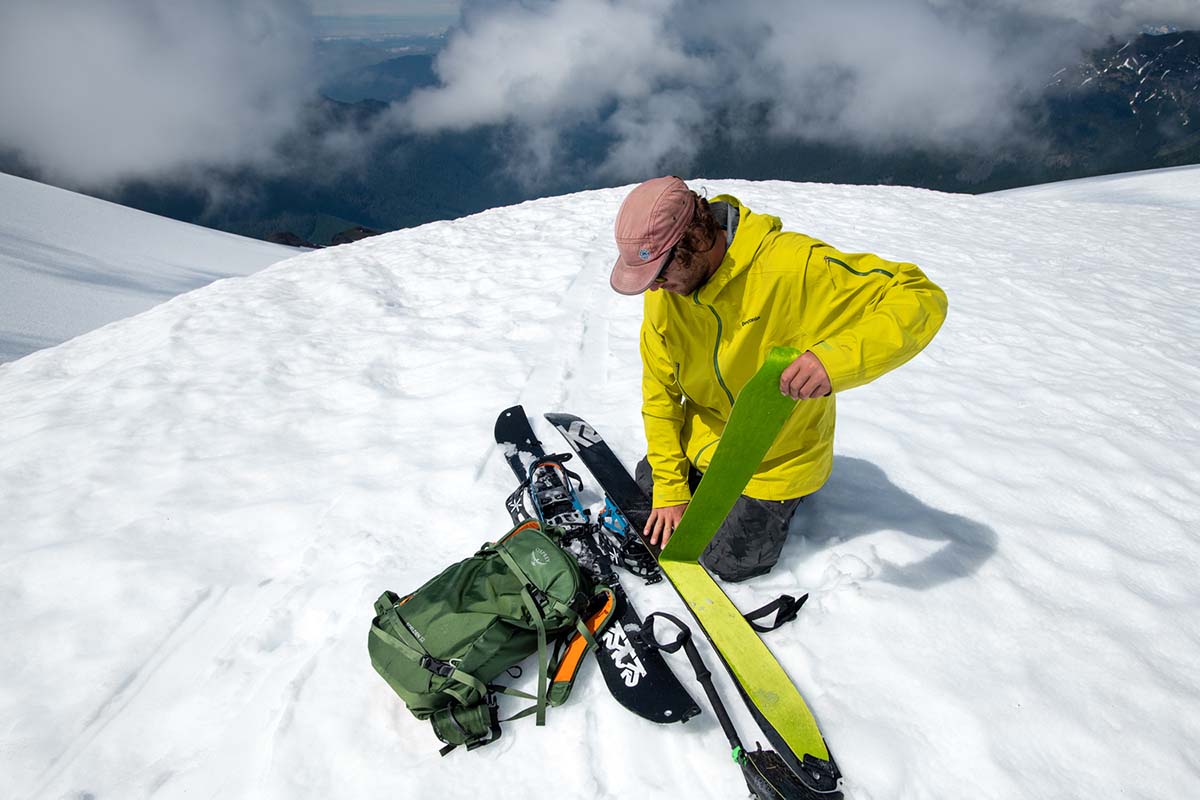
[441, 647]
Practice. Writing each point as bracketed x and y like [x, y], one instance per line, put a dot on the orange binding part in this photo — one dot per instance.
[572, 657]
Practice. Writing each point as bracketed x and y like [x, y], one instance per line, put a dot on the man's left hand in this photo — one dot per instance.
[805, 378]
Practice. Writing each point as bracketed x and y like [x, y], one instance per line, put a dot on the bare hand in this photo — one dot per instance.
[805, 378]
[663, 522]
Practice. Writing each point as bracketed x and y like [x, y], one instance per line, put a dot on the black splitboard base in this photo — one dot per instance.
[615, 481]
[634, 670]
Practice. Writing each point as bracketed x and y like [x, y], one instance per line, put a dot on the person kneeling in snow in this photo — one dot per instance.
[734, 285]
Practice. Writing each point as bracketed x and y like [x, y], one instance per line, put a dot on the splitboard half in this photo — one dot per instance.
[776, 704]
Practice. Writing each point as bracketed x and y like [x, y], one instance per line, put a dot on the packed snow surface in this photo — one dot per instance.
[71, 263]
[201, 504]
[1177, 187]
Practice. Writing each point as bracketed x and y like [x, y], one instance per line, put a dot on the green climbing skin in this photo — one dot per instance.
[757, 417]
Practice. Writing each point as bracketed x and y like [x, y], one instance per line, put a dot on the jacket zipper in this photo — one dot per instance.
[716, 345]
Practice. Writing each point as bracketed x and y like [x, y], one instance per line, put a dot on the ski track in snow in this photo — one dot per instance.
[203, 501]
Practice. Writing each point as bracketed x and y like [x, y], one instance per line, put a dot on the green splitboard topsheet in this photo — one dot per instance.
[756, 419]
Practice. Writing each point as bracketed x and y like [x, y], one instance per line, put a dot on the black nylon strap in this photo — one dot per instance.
[703, 675]
[685, 633]
[785, 607]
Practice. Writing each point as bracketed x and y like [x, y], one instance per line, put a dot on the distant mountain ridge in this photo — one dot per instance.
[1129, 105]
[1135, 103]
[1157, 74]
[387, 81]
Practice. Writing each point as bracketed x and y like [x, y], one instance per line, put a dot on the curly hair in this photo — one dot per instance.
[701, 234]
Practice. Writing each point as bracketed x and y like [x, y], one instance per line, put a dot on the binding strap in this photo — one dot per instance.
[555, 460]
[785, 607]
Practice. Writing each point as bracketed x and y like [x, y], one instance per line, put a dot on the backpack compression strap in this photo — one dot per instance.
[407, 645]
[534, 599]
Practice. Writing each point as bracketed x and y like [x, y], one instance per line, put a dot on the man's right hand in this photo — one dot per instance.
[663, 522]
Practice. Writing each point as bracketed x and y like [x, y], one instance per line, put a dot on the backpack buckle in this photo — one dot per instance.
[538, 595]
[443, 669]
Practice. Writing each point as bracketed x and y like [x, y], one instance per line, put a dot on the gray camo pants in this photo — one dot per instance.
[749, 541]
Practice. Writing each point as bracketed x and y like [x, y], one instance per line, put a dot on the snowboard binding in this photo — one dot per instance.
[550, 494]
[620, 543]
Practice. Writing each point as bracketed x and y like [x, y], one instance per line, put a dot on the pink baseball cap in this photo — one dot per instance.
[651, 221]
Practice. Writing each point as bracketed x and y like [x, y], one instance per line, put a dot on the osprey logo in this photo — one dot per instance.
[581, 434]
[644, 254]
[539, 558]
[620, 650]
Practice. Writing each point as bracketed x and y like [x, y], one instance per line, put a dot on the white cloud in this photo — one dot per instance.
[385, 7]
[551, 61]
[653, 131]
[94, 92]
[656, 73]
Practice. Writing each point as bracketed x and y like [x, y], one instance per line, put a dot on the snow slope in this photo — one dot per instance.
[71, 263]
[1176, 187]
[202, 502]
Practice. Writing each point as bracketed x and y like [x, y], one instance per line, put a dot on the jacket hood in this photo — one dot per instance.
[752, 231]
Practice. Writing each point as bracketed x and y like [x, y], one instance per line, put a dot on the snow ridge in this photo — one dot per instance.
[202, 502]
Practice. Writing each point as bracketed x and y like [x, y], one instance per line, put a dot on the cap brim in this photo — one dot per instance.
[634, 279]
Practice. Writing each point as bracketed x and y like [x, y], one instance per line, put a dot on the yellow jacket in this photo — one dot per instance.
[860, 315]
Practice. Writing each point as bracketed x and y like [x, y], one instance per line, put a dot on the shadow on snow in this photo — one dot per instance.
[859, 499]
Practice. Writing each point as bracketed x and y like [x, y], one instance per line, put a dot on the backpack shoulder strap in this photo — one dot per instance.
[539, 622]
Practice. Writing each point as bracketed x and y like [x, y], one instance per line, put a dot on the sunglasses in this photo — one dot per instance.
[661, 277]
